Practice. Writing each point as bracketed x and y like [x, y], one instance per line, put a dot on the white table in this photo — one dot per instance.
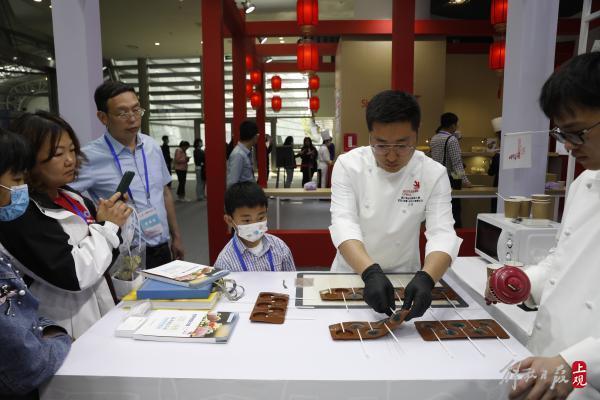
[296, 360]
[295, 194]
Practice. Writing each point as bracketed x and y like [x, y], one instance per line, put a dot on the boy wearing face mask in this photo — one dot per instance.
[251, 248]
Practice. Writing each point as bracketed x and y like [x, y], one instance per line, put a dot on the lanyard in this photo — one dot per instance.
[75, 208]
[118, 163]
[241, 259]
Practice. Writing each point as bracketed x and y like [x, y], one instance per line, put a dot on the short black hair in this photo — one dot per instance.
[184, 143]
[574, 84]
[244, 194]
[164, 137]
[15, 154]
[248, 129]
[107, 91]
[448, 119]
[393, 106]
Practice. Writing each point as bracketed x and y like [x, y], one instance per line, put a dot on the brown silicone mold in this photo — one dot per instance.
[355, 330]
[338, 294]
[270, 308]
[460, 329]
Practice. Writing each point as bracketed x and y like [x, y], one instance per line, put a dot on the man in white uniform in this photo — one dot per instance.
[565, 284]
[380, 196]
[324, 159]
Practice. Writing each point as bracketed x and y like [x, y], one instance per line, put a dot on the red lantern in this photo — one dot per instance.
[276, 103]
[249, 62]
[499, 12]
[496, 58]
[249, 88]
[255, 100]
[307, 56]
[256, 77]
[314, 104]
[307, 14]
[314, 82]
[276, 83]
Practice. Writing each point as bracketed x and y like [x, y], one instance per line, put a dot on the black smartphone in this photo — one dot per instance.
[125, 182]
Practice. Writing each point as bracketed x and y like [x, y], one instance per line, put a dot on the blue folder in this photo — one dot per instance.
[153, 289]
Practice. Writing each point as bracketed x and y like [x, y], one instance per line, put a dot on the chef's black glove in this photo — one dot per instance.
[418, 289]
[379, 291]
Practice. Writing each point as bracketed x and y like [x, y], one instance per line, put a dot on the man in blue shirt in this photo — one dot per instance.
[239, 164]
[123, 148]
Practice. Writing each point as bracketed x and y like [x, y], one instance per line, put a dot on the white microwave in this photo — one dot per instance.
[499, 239]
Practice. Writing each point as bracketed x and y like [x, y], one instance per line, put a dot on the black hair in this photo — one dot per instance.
[107, 91]
[15, 155]
[184, 143]
[41, 126]
[248, 129]
[289, 141]
[310, 143]
[197, 143]
[393, 106]
[244, 194]
[575, 84]
[164, 137]
[447, 120]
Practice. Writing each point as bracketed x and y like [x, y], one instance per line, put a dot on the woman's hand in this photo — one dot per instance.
[113, 210]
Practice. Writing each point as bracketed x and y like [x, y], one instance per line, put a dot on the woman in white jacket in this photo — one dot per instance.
[61, 242]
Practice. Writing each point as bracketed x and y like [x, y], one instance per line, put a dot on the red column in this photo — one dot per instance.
[239, 84]
[403, 45]
[214, 122]
[261, 153]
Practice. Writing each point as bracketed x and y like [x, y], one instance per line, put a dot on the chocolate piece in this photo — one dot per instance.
[270, 308]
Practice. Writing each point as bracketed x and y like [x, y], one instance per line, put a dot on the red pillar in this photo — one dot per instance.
[403, 45]
[239, 84]
[261, 153]
[214, 122]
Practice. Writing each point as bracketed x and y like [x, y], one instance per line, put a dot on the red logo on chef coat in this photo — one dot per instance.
[579, 375]
[417, 185]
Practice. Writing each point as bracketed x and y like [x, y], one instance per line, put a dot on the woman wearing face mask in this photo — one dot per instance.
[61, 241]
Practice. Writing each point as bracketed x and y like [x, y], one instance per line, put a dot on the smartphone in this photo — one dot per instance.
[125, 182]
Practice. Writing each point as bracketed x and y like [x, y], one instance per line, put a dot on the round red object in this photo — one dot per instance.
[314, 104]
[307, 55]
[255, 100]
[249, 62]
[307, 13]
[276, 83]
[510, 285]
[256, 77]
[496, 56]
[314, 82]
[276, 103]
[249, 88]
[499, 12]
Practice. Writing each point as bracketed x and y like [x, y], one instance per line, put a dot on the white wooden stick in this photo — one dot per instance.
[345, 303]
[342, 325]
[473, 343]
[442, 343]
[362, 343]
[394, 336]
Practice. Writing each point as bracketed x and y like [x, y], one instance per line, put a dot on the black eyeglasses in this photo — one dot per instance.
[575, 138]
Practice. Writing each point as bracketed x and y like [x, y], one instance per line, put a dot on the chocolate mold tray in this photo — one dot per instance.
[357, 330]
[460, 329]
[270, 308]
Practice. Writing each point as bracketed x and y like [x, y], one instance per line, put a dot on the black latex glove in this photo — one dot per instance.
[379, 291]
[418, 290]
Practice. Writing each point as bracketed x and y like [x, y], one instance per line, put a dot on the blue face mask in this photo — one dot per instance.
[19, 200]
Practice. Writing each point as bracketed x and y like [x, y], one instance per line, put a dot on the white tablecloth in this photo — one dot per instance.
[296, 360]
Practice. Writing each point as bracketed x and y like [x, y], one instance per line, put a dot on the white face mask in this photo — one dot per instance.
[252, 232]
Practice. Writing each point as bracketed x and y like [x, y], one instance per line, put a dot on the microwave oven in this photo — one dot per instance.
[499, 239]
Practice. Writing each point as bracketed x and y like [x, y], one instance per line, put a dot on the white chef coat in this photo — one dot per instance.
[384, 210]
[565, 285]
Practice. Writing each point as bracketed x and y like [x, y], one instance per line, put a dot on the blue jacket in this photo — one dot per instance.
[27, 359]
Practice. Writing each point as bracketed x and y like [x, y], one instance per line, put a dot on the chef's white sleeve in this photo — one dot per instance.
[344, 208]
[588, 351]
[439, 224]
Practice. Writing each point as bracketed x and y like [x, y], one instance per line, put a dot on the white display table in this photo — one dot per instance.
[296, 360]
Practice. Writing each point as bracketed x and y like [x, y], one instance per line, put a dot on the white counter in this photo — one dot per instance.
[296, 360]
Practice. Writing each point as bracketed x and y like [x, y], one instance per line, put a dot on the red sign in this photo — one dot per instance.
[350, 141]
[579, 375]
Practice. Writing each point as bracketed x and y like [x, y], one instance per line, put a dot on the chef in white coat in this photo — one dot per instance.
[565, 284]
[380, 195]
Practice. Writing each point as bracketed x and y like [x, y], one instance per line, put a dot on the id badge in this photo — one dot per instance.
[150, 222]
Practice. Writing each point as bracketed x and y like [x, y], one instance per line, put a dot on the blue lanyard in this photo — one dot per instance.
[241, 259]
[118, 163]
[75, 208]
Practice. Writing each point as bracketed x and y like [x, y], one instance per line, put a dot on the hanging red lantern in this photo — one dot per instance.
[276, 83]
[314, 82]
[307, 55]
[255, 100]
[276, 103]
[314, 104]
[249, 62]
[249, 88]
[496, 56]
[499, 12]
[307, 14]
[256, 77]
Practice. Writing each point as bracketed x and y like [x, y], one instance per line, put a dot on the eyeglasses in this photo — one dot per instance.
[135, 113]
[575, 138]
[384, 149]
